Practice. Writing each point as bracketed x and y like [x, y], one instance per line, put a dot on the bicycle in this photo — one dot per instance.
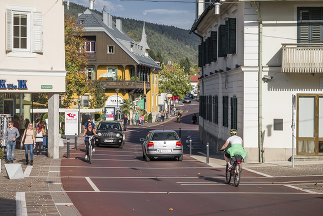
[91, 144]
[235, 171]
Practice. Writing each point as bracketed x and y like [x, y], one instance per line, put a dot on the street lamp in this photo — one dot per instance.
[117, 113]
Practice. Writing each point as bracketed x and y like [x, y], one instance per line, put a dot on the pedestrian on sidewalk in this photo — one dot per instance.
[40, 133]
[159, 116]
[163, 115]
[125, 122]
[11, 136]
[29, 142]
[137, 119]
[142, 120]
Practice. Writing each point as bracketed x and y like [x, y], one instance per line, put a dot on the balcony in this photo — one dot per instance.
[302, 58]
[91, 56]
[135, 86]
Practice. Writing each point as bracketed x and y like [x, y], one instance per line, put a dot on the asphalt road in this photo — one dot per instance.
[120, 182]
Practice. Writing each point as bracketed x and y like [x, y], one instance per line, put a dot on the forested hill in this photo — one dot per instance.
[171, 42]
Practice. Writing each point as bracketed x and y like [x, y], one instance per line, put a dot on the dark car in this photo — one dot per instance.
[187, 100]
[109, 134]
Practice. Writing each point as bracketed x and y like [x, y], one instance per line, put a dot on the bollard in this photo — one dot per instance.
[190, 146]
[75, 142]
[180, 133]
[68, 147]
[207, 153]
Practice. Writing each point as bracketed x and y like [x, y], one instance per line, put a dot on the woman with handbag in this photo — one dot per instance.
[28, 139]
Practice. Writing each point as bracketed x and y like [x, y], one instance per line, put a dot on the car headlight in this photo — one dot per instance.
[118, 135]
[99, 134]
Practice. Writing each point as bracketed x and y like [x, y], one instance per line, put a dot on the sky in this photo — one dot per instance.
[177, 14]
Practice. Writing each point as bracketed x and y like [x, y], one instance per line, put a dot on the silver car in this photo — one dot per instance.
[162, 143]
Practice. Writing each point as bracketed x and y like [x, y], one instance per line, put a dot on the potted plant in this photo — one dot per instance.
[150, 118]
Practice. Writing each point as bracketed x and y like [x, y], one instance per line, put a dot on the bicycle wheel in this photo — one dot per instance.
[90, 153]
[237, 175]
[227, 175]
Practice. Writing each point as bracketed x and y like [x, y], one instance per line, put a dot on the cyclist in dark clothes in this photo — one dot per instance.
[89, 131]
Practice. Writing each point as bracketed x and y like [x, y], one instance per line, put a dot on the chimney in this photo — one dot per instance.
[119, 24]
[107, 19]
[200, 7]
[91, 4]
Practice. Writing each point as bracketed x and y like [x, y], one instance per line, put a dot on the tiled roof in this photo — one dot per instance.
[91, 19]
[194, 78]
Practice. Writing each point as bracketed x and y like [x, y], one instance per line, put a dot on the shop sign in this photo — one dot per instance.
[109, 113]
[46, 86]
[71, 123]
[21, 84]
[114, 100]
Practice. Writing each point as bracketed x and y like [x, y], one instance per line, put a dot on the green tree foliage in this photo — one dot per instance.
[126, 107]
[98, 95]
[75, 61]
[173, 79]
[186, 64]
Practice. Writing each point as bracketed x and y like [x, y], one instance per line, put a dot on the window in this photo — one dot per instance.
[20, 31]
[215, 109]
[234, 113]
[310, 25]
[231, 31]
[112, 73]
[90, 46]
[85, 101]
[225, 104]
[110, 49]
[90, 73]
[24, 34]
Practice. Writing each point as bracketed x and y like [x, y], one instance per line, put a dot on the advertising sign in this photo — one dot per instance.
[71, 123]
[109, 113]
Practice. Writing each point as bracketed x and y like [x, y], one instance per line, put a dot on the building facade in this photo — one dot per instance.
[32, 60]
[121, 64]
[261, 73]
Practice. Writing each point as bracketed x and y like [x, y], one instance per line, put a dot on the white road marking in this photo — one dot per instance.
[92, 184]
[256, 172]
[300, 189]
[179, 192]
[60, 204]
[28, 171]
[21, 207]
[202, 153]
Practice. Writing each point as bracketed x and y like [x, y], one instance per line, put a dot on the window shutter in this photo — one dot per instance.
[234, 113]
[214, 38]
[215, 109]
[37, 33]
[210, 108]
[310, 25]
[9, 32]
[203, 54]
[222, 41]
[206, 51]
[210, 47]
[232, 36]
[225, 110]
[200, 56]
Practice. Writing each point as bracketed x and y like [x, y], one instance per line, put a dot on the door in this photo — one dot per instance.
[310, 125]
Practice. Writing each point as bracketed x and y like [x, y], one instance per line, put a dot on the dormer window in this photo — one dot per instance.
[81, 21]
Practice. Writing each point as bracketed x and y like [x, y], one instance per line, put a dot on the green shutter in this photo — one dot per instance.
[234, 113]
[310, 25]
[222, 41]
[225, 110]
[232, 36]
[214, 38]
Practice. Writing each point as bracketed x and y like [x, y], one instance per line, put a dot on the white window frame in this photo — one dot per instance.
[91, 51]
[28, 13]
[108, 51]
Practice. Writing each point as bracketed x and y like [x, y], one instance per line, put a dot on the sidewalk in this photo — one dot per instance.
[19, 197]
[279, 169]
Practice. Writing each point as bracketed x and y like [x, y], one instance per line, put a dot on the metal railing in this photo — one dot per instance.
[302, 58]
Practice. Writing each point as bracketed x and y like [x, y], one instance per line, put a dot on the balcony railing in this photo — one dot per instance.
[126, 85]
[302, 58]
[91, 56]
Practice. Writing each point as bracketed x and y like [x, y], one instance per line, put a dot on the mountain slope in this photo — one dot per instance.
[173, 43]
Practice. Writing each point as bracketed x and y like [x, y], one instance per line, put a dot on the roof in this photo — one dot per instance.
[194, 78]
[91, 20]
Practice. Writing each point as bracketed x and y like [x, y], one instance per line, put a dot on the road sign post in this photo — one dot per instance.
[207, 153]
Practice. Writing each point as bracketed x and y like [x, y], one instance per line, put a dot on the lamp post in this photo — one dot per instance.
[117, 110]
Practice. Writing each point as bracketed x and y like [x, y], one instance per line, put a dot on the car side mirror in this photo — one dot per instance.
[142, 139]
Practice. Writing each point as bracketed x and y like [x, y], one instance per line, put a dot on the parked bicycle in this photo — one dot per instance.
[234, 171]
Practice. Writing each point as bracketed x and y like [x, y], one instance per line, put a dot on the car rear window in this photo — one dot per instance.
[164, 136]
[107, 126]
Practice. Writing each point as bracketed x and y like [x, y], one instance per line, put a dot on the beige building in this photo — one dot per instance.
[32, 59]
[279, 44]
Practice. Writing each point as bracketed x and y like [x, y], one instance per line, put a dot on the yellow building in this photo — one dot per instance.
[121, 64]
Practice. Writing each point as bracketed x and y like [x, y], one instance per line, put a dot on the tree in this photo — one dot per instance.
[152, 54]
[159, 58]
[75, 61]
[126, 107]
[98, 97]
[186, 64]
[173, 79]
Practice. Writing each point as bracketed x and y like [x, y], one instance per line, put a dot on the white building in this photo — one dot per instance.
[32, 58]
[282, 43]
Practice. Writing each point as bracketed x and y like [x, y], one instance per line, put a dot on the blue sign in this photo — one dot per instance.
[21, 84]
